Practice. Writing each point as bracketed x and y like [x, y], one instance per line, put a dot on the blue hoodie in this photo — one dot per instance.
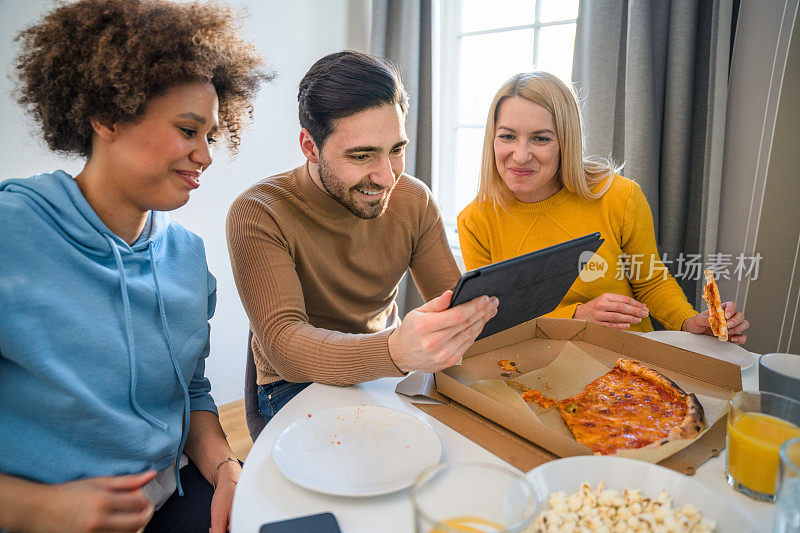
[102, 345]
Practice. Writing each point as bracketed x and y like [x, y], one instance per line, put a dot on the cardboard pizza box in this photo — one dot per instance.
[584, 348]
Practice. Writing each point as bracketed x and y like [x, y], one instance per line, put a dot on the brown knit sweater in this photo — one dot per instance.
[319, 284]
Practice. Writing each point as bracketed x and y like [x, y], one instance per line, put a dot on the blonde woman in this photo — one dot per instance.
[537, 189]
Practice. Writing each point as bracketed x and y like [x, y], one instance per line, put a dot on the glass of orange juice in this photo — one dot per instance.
[758, 423]
[459, 496]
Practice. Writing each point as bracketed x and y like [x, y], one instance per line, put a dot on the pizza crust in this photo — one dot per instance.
[694, 421]
[691, 426]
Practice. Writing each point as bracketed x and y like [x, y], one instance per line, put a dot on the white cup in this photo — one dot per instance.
[780, 373]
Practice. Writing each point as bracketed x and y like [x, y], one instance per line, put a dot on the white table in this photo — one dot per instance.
[264, 495]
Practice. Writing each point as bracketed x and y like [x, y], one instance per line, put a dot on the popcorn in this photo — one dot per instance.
[602, 510]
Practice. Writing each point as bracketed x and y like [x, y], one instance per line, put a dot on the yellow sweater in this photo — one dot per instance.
[623, 218]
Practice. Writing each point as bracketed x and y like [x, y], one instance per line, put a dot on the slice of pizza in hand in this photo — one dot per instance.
[716, 314]
[630, 407]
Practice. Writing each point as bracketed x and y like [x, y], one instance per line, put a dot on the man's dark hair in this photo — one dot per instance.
[342, 84]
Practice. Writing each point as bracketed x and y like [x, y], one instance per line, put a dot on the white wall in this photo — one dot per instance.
[292, 35]
[22, 151]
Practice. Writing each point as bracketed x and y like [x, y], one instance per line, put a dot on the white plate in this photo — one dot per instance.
[567, 474]
[356, 451]
[703, 344]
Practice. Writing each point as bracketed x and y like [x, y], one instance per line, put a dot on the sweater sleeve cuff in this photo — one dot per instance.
[203, 403]
[676, 323]
[563, 311]
[377, 350]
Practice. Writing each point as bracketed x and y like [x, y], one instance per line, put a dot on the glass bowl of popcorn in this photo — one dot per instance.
[600, 493]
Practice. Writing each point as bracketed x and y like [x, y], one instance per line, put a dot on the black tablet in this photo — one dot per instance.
[527, 286]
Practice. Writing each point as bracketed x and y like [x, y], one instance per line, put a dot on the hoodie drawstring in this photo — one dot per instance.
[186, 415]
[131, 347]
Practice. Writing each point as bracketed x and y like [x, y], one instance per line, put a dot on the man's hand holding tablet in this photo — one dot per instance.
[435, 336]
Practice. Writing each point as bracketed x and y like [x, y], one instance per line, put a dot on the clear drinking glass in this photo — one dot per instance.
[758, 423]
[460, 496]
[787, 516]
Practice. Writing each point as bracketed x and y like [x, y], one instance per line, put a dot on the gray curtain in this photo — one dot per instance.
[401, 32]
[653, 76]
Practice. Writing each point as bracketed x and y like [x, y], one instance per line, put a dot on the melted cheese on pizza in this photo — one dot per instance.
[622, 410]
[532, 395]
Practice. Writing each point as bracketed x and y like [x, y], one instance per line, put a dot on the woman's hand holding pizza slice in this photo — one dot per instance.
[720, 319]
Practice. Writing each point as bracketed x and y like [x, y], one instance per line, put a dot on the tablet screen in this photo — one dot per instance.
[527, 286]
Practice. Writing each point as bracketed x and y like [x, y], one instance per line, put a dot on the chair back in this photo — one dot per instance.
[255, 420]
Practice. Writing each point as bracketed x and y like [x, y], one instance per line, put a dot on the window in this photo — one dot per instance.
[481, 44]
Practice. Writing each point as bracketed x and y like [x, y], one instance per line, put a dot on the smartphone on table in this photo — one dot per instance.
[315, 523]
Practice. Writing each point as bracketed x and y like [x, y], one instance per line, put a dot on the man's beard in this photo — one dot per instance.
[349, 198]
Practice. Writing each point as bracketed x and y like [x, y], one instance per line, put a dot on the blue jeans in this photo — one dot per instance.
[273, 396]
[189, 513]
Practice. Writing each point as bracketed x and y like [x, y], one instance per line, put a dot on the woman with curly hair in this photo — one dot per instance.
[104, 405]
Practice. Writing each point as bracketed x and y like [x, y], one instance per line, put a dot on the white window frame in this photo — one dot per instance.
[447, 41]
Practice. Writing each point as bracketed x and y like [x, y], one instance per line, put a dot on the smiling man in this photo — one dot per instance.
[318, 252]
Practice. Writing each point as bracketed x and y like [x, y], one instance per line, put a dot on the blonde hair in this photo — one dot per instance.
[577, 173]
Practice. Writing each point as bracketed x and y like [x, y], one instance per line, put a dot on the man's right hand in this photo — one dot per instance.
[433, 337]
[115, 503]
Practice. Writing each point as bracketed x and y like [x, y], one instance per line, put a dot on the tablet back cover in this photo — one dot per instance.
[527, 286]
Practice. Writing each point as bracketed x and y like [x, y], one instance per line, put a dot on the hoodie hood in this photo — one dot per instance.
[58, 199]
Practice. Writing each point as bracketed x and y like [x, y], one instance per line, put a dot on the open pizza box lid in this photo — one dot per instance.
[567, 354]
